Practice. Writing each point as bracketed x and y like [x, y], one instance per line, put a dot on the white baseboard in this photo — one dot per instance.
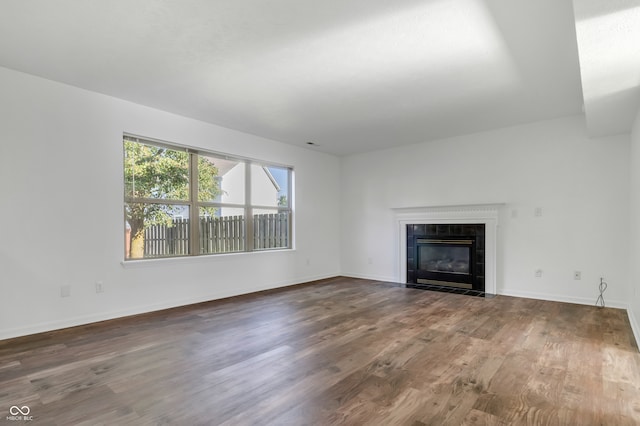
[369, 277]
[634, 326]
[561, 298]
[104, 316]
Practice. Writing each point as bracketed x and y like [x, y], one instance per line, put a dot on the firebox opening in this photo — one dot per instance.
[451, 256]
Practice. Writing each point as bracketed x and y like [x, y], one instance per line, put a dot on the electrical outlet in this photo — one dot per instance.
[65, 290]
[538, 212]
[538, 273]
[99, 287]
[577, 275]
[369, 261]
[308, 262]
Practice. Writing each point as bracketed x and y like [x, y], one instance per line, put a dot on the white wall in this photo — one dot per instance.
[635, 226]
[581, 184]
[62, 212]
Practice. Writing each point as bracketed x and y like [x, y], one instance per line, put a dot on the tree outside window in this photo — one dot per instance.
[157, 189]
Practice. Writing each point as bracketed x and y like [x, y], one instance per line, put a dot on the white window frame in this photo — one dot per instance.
[195, 205]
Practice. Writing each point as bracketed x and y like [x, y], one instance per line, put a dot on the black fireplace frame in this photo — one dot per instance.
[447, 232]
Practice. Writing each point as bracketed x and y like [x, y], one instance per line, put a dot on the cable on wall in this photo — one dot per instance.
[602, 287]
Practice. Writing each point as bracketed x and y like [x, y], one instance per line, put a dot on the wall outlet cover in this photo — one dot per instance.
[65, 291]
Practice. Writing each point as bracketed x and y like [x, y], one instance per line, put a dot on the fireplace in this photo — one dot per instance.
[446, 255]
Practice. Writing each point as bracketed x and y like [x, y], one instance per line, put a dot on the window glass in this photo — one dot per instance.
[155, 172]
[269, 186]
[282, 177]
[222, 232]
[221, 180]
[156, 230]
[270, 228]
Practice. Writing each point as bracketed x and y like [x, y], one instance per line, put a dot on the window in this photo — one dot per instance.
[184, 202]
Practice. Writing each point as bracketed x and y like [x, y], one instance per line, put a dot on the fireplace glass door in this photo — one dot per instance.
[445, 261]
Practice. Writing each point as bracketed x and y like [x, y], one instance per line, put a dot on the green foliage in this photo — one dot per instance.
[282, 201]
[152, 172]
[208, 185]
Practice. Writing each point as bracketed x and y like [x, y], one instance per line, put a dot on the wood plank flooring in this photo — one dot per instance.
[341, 351]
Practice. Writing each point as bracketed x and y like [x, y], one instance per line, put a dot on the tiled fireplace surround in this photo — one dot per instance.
[486, 214]
[474, 231]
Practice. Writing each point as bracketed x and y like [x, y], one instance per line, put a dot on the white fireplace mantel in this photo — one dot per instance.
[487, 214]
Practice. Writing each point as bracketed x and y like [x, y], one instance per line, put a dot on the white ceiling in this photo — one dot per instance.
[349, 75]
[608, 34]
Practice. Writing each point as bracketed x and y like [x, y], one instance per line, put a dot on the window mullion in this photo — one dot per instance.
[248, 210]
[290, 206]
[156, 201]
[194, 229]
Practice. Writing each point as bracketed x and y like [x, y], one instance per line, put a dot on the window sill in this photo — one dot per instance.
[205, 258]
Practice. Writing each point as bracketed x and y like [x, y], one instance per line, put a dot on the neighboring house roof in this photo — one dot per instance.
[225, 166]
[270, 176]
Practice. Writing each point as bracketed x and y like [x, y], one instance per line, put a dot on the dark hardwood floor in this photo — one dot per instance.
[342, 351]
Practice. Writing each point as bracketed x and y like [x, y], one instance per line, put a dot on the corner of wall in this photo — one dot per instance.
[634, 326]
[634, 195]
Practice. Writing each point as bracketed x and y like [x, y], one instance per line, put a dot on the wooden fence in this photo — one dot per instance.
[164, 240]
[217, 235]
[221, 234]
[270, 230]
